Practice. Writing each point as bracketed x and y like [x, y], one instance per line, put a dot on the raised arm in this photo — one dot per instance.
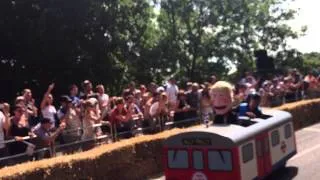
[44, 99]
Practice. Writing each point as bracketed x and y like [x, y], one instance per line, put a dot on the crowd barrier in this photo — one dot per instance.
[32, 151]
[135, 158]
[31, 154]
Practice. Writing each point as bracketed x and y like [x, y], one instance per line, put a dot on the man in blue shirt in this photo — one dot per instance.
[251, 107]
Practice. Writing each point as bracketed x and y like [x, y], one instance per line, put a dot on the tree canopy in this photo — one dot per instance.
[311, 61]
[115, 41]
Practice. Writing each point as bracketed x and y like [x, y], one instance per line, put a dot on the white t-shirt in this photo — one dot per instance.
[154, 108]
[49, 112]
[103, 99]
[172, 92]
[73, 122]
[2, 121]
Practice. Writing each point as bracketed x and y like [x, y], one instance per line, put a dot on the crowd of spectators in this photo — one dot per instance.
[138, 107]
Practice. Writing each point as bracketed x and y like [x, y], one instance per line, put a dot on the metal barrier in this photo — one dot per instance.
[162, 124]
[81, 142]
[13, 159]
[14, 140]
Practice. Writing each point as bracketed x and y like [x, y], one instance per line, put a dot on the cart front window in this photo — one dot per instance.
[178, 159]
[219, 160]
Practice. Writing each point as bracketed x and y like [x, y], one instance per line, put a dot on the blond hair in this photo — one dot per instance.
[222, 86]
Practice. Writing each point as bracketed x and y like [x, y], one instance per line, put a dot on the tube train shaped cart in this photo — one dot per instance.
[251, 150]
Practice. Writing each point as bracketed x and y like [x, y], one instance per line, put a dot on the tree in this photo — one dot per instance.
[227, 31]
[116, 41]
[311, 61]
[69, 41]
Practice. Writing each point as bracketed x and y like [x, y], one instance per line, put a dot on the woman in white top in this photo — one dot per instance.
[103, 100]
[160, 108]
[47, 109]
[91, 117]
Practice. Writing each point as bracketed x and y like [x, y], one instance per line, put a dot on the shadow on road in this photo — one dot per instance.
[286, 173]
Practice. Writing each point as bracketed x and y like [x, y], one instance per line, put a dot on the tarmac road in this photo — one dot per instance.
[306, 164]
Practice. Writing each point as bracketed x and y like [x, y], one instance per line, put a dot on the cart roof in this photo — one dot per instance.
[227, 136]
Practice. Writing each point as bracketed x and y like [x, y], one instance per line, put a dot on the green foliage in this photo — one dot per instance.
[115, 41]
[228, 31]
[311, 61]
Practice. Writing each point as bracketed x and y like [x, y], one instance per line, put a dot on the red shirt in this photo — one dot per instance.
[116, 112]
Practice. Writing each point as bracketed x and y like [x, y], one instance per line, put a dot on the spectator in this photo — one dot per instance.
[144, 104]
[289, 89]
[91, 117]
[155, 98]
[103, 98]
[277, 91]
[143, 89]
[47, 109]
[172, 92]
[6, 110]
[266, 94]
[121, 118]
[212, 80]
[182, 108]
[29, 102]
[145, 108]
[152, 87]
[20, 101]
[19, 128]
[311, 82]
[133, 108]
[4, 127]
[31, 109]
[45, 138]
[138, 98]
[240, 94]
[112, 101]
[297, 83]
[160, 89]
[87, 90]
[193, 100]
[73, 94]
[159, 111]
[160, 108]
[132, 87]
[189, 87]
[206, 104]
[70, 115]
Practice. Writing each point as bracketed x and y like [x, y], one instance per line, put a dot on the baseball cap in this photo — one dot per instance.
[159, 89]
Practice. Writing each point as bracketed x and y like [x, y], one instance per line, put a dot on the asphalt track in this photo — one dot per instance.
[303, 166]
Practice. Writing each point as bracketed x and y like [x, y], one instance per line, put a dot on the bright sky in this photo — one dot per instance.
[307, 15]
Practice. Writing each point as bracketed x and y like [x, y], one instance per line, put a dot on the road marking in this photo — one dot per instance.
[311, 129]
[302, 153]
